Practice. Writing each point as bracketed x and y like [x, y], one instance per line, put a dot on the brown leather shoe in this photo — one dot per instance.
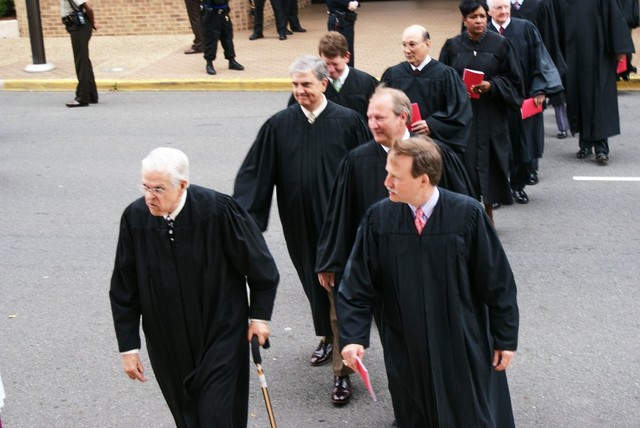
[322, 354]
[341, 390]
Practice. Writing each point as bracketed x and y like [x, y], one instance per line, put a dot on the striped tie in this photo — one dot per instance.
[419, 220]
[501, 30]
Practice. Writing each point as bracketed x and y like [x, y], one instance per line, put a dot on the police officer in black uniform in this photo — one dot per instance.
[217, 26]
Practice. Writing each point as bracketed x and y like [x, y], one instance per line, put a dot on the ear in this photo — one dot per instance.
[183, 184]
[324, 83]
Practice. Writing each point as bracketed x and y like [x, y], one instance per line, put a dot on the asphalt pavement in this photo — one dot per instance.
[158, 62]
[66, 176]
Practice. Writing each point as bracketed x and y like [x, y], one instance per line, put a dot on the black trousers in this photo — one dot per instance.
[278, 12]
[217, 26]
[599, 146]
[86, 91]
[346, 28]
[195, 19]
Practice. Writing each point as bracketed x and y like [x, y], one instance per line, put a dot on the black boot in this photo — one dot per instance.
[235, 65]
[210, 69]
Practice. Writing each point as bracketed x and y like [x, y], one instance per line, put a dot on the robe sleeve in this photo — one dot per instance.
[253, 188]
[507, 82]
[357, 292]
[452, 124]
[546, 78]
[125, 303]
[246, 249]
[338, 229]
[493, 280]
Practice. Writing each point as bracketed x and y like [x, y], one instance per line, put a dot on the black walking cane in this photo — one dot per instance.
[257, 359]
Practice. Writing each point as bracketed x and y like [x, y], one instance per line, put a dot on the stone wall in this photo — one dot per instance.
[137, 17]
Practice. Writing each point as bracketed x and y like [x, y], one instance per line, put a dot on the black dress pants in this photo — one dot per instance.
[217, 26]
[195, 19]
[278, 12]
[86, 91]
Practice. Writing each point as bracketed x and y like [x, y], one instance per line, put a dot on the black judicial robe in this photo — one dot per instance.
[488, 150]
[542, 14]
[539, 76]
[449, 301]
[592, 32]
[441, 97]
[358, 185]
[192, 297]
[354, 93]
[300, 160]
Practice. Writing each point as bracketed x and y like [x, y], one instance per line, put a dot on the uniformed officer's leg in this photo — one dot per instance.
[86, 91]
[258, 20]
[226, 39]
[211, 35]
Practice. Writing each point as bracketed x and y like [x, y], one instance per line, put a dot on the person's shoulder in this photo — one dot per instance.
[367, 149]
[362, 75]
[458, 202]
[334, 109]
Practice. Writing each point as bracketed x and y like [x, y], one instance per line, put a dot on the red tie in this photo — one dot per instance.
[419, 220]
[516, 5]
[501, 30]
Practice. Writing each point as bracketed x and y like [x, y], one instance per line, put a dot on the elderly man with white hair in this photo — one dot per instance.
[184, 258]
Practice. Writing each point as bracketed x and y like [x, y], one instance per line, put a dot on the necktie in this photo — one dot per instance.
[516, 6]
[337, 84]
[170, 224]
[501, 30]
[311, 118]
[419, 220]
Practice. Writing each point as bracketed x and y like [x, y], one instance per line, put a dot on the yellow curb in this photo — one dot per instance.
[279, 85]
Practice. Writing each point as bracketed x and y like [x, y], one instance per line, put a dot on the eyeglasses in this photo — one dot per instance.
[155, 190]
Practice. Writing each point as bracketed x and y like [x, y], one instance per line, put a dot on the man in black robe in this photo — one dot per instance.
[593, 37]
[347, 86]
[184, 258]
[539, 78]
[360, 180]
[449, 310]
[441, 96]
[298, 151]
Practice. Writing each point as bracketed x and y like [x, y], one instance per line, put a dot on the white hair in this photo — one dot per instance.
[490, 3]
[168, 160]
[312, 63]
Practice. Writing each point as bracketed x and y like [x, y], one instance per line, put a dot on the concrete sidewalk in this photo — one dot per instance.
[150, 63]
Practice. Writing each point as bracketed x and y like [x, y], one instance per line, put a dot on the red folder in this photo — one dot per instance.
[622, 65]
[415, 115]
[364, 374]
[528, 108]
[472, 78]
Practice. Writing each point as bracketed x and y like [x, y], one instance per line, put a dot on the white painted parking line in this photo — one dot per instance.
[586, 178]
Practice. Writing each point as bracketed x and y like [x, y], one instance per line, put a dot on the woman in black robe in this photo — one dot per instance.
[487, 153]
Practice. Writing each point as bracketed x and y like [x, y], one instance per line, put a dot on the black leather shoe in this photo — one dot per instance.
[235, 65]
[342, 391]
[192, 51]
[75, 103]
[584, 153]
[562, 135]
[288, 32]
[283, 37]
[602, 159]
[322, 354]
[495, 205]
[210, 69]
[520, 196]
[299, 30]
[533, 179]
[256, 36]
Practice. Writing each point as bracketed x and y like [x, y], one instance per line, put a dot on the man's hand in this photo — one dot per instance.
[539, 99]
[482, 87]
[353, 5]
[260, 329]
[133, 367]
[420, 127]
[349, 354]
[327, 280]
[502, 359]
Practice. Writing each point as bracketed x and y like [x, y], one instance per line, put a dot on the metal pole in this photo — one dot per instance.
[37, 41]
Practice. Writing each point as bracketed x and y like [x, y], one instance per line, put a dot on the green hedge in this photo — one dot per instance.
[7, 8]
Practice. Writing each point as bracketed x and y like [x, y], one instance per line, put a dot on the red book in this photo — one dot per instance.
[622, 65]
[472, 78]
[528, 108]
[364, 374]
[415, 115]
